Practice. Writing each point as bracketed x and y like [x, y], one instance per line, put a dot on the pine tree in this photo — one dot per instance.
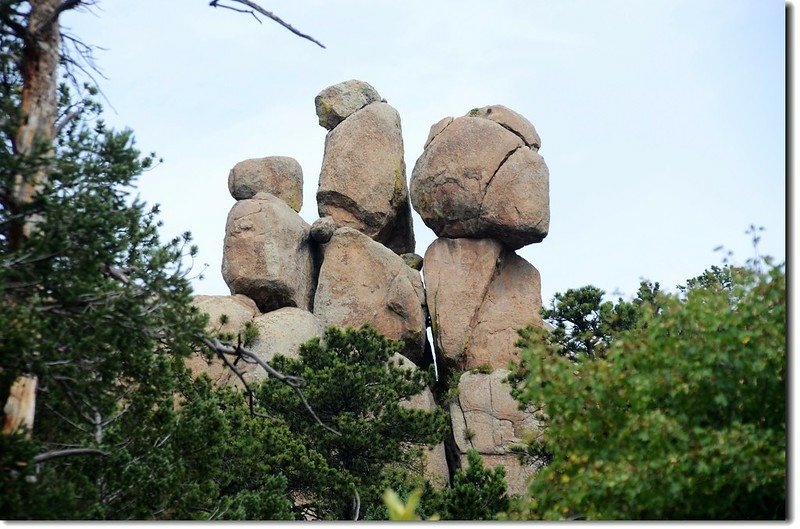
[353, 385]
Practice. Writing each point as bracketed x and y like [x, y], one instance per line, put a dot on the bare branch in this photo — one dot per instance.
[356, 504]
[41, 458]
[293, 382]
[66, 120]
[255, 8]
[246, 11]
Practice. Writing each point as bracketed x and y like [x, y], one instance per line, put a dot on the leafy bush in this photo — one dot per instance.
[683, 417]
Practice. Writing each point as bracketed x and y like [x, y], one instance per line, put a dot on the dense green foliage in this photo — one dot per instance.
[584, 325]
[94, 306]
[354, 384]
[682, 417]
[476, 493]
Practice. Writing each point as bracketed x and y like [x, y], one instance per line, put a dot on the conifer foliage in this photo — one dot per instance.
[354, 384]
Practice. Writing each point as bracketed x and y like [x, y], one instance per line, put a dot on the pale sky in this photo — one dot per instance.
[662, 122]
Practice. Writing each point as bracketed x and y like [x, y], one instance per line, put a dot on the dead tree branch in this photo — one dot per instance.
[255, 8]
[248, 356]
[41, 458]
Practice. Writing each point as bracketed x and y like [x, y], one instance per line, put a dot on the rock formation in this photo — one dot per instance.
[486, 418]
[283, 331]
[362, 281]
[477, 178]
[362, 183]
[336, 103]
[267, 254]
[483, 188]
[479, 293]
[480, 184]
[277, 175]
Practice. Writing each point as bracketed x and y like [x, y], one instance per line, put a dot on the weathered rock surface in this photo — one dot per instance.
[277, 175]
[267, 254]
[485, 417]
[362, 281]
[477, 179]
[437, 128]
[362, 183]
[478, 294]
[510, 120]
[235, 311]
[336, 103]
[322, 229]
[282, 332]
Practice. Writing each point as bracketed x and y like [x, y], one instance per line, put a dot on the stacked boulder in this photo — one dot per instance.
[482, 187]
[267, 254]
[270, 266]
[362, 184]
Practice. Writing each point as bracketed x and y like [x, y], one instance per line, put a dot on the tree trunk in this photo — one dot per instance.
[38, 108]
[20, 406]
[39, 104]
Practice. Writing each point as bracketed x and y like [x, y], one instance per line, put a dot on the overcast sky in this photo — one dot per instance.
[662, 121]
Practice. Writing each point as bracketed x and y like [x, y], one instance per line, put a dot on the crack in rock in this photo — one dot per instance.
[354, 113]
[520, 136]
[428, 143]
[475, 320]
[489, 182]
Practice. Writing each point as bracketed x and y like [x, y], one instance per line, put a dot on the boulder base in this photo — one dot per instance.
[486, 418]
[478, 295]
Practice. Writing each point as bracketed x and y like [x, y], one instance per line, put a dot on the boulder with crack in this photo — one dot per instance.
[479, 294]
[267, 254]
[361, 281]
[481, 176]
[486, 418]
[362, 182]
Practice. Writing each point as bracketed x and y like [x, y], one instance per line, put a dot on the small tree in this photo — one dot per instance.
[584, 325]
[684, 418]
[477, 493]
